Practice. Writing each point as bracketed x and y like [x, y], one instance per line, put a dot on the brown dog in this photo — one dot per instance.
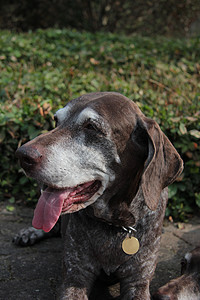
[187, 286]
[109, 165]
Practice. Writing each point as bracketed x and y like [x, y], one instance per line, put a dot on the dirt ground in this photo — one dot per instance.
[35, 272]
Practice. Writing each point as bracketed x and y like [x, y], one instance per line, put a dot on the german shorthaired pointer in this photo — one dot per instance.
[187, 286]
[106, 168]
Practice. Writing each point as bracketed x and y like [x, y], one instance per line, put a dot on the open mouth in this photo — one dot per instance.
[53, 202]
[81, 194]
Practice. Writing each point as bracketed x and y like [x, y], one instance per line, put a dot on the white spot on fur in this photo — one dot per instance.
[63, 113]
[75, 293]
[188, 257]
[188, 295]
[87, 113]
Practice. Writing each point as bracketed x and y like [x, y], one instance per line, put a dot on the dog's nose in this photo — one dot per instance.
[28, 156]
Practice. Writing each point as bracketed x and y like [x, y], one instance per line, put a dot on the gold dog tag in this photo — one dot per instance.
[130, 245]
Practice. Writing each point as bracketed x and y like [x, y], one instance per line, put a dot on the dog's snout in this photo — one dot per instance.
[28, 156]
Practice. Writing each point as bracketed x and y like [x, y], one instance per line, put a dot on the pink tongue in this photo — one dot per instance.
[49, 208]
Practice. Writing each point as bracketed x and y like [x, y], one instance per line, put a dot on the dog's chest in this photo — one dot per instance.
[107, 246]
[104, 241]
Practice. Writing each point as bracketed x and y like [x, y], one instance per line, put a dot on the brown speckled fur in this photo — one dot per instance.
[137, 197]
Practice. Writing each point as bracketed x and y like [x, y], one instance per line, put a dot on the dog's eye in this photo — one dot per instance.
[94, 126]
[91, 126]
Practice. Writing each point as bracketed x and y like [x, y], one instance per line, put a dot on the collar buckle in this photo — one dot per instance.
[130, 230]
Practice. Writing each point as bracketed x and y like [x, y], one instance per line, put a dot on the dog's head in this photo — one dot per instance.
[102, 148]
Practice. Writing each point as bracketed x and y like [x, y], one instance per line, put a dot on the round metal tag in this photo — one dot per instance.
[130, 245]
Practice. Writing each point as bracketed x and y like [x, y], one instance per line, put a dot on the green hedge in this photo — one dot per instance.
[41, 71]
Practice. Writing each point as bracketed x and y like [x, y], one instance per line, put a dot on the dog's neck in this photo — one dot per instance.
[119, 217]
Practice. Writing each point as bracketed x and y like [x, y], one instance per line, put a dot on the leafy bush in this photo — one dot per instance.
[41, 71]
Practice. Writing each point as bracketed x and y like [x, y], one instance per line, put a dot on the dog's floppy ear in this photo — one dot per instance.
[163, 163]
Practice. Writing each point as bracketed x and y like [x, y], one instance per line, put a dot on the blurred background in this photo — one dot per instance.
[168, 17]
[53, 51]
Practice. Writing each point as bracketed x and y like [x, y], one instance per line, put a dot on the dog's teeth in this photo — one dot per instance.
[41, 188]
[73, 193]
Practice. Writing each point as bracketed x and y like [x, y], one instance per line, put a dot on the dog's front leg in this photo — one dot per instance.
[135, 280]
[80, 266]
[135, 291]
[29, 236]
[78, 277]
[78, 280]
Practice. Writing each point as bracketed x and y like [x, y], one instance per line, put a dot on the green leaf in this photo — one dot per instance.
[195, 133]
[32, 132]
[10, 208]
[183, 129]
[12, 200]
[197, 199]
[172, 190]
[2, 135]
[23, 180]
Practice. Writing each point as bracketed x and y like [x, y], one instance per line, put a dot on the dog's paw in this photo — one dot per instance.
[28, 236]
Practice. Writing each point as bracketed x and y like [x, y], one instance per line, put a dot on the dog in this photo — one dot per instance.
[106, 168]
[187, 286]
